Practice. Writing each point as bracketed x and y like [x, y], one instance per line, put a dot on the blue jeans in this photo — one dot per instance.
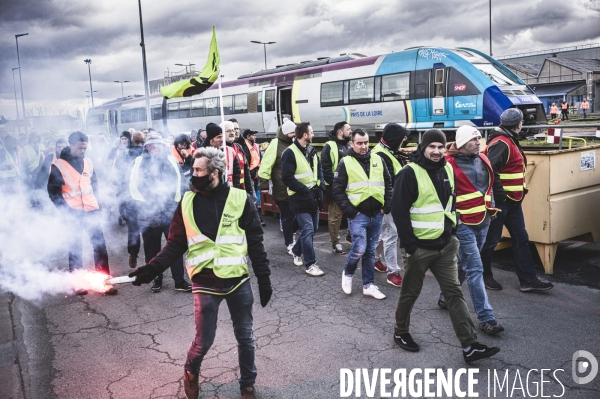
[308, 224]
[206, 309]
[511, 217]
[471, 240]
[365, 231]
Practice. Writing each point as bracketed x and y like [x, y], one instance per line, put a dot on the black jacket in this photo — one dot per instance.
[305, 199]
[497, 153]
[247, 179]
[56, 181]
[388, 162]
[370, 206]
[406, 192]
[208, 209]
[343, 148]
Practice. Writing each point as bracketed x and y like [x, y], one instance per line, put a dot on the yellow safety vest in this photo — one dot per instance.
[134, 177]
[381, 149]
[427, 215]
[228, 255]
[333, 154]
[304, 174]
[360, 187]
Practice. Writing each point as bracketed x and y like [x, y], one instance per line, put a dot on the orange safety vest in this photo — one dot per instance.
[176, 155]
[254, 156]
[470, 202]
[77, 190]
[512, 174]
[564, 105]
[554, 109]
[239, 153]
[229, 157]
[585, 105]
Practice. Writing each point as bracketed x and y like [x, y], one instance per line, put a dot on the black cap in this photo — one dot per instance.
[212, 131]
[249, 132]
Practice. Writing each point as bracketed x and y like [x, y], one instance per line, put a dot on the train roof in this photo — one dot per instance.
[303, 64]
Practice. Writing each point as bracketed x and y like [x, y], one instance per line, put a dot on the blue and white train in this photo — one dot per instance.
[420, 88]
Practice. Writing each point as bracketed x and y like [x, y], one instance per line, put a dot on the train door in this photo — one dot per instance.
[438, 99]
[285, 104]
[113, 119]
[431, 90]
[269, 111]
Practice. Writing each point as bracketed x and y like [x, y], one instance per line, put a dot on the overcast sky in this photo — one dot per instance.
[62, 33]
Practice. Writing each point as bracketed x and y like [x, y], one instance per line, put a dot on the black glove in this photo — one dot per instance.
[143, 275]
[318, 196]
[265, 291]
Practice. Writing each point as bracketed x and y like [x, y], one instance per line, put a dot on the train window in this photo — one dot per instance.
[269, 100]
[228, 105]
[439, 83]
[377, 88]
[173, 110]
[197, 108]
[332, 94]
[395, 87]
[362, 90]
[156, 113]
[459, 85]
[259, 101]
[212, 106]
[346, 86]
[241, 104]
[95, 120]
[125, 116]
[141, 115]
[184, 109]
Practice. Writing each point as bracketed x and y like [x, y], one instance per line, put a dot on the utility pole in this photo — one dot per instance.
[143, 45]
[89, 62]
[16, 103]
[20, 79]
[490, 2]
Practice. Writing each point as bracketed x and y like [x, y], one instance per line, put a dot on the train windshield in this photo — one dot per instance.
[495, 75]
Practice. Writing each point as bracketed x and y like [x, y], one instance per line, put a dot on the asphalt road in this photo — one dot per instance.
[133, 345]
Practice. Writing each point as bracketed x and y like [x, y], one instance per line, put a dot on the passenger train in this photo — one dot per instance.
[420, 88]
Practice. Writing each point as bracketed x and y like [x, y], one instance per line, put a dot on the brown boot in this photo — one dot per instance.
[190, 385]
[249, 393]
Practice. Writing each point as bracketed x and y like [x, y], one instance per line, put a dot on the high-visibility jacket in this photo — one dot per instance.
[304, 174]
[134, 179]
[427, 214]
[564, 105]
[585, 105]
[227, 256]
[268, 160]
[77, 190]
[33, 157]
[360, 187]
[333, 154]
[553, 109]
[176, 155]
[254, 152]
[381, 149]
[13, 162]
[239, 153]
[470, 202]
[512, 174]
[229, 157]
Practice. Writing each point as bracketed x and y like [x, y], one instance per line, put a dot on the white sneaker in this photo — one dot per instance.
[314, 270]
[346, 283]
[373, 291]
[298, 260]
[289, 248]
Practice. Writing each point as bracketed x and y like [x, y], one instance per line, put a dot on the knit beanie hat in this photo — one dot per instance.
[465, 134]
[511, 117]
[126, 134]
[288, 126]
[154, 138]
[212, 131]
[432, 136]
[393, 134]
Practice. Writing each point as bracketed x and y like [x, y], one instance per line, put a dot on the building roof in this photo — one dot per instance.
[528, 68]
[560, 89]
[578, 64]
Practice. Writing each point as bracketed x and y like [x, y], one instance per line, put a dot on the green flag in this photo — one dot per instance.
[199, 84]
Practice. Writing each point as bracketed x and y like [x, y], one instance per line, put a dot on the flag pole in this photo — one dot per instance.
[221, 106]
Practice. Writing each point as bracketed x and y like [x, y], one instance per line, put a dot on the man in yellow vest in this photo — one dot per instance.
[219, 228]
[73, 188]
[334, 150]
[362, 188]
[155, 187]
[302, 174]
[423, 208]
[388, 149]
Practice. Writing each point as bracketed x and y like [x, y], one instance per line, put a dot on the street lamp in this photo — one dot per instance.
[87, 91]
[143, 46]
[89, 62]
[490, 1]
[16, 103]
[121, 81]
[20, 79]
[265, 47]
[186, 66]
